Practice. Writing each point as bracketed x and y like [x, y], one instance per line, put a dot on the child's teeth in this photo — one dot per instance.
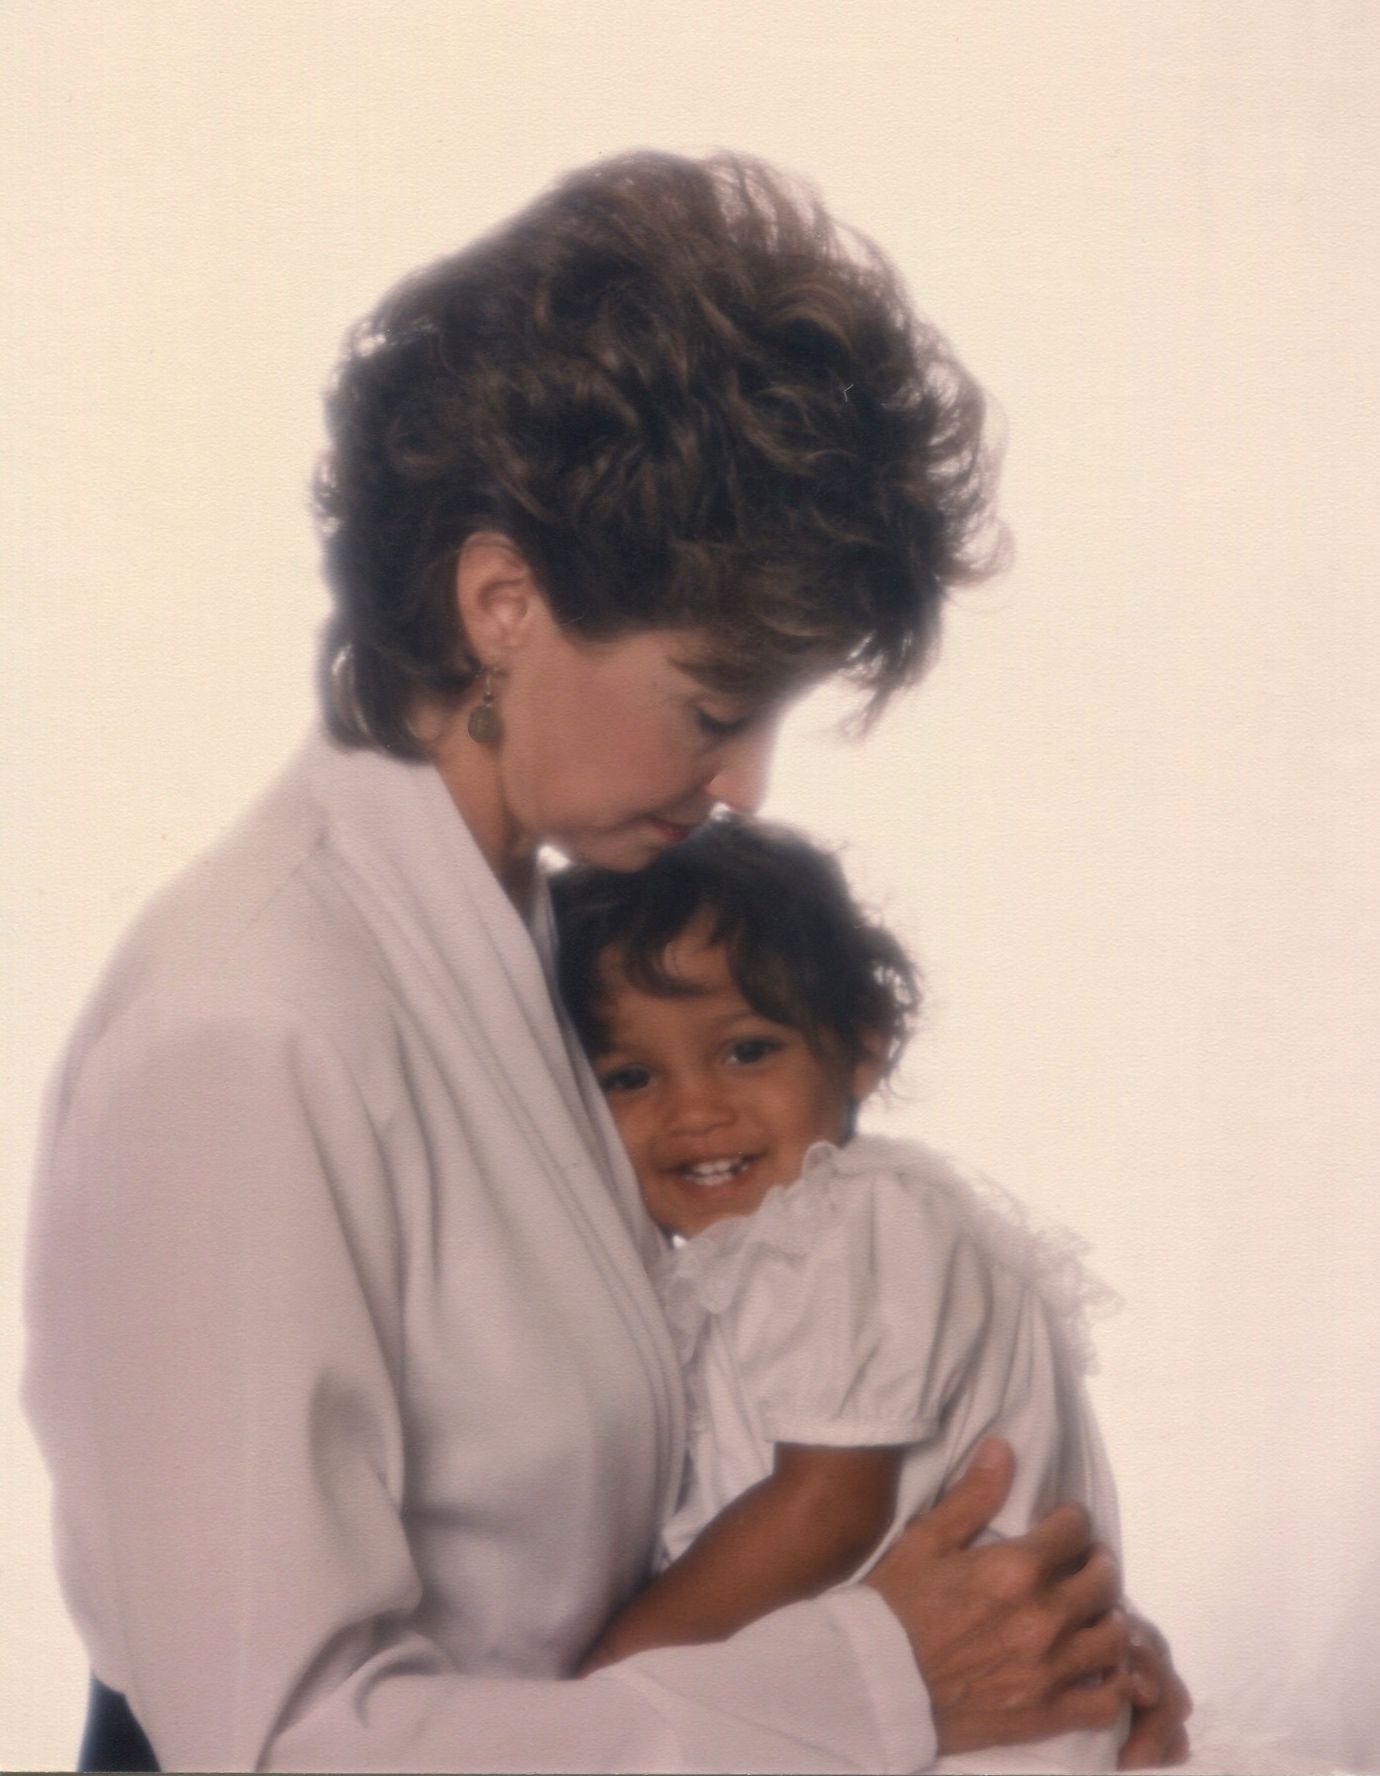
[712, 1171]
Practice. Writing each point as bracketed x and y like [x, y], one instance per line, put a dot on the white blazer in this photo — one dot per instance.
[361, 1413]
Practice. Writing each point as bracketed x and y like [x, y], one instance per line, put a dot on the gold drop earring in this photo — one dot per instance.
[483, 723]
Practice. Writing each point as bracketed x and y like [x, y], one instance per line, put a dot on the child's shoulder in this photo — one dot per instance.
[873, 1204]
[878, 1177]
[881, 1219]
[959, 1215]
[884, 1164]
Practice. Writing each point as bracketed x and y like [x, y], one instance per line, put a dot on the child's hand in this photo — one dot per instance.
[1017, 1639]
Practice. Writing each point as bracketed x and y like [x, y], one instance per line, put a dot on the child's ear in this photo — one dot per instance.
[869, 1069]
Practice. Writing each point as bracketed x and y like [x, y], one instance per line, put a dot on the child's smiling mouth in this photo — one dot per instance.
[713, 1174]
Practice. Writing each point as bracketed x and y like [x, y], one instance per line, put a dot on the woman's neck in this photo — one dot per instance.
[469, 770]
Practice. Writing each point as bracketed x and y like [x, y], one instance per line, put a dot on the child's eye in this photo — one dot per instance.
[624, 1079]
[749, 1049]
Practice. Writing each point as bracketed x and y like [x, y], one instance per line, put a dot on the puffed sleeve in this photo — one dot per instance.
[851, 1304]
[214, 1373]
[1027, 1389]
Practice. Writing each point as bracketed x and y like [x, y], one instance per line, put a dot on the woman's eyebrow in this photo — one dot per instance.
[723, 678]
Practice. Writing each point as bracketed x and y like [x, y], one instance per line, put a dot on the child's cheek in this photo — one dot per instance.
[631, 1129]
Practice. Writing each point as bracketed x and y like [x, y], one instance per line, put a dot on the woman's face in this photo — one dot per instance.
[612, 750]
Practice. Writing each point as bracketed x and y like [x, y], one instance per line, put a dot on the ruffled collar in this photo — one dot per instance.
[697, 1278]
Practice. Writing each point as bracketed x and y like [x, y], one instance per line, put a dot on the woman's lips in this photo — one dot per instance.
[671, 829]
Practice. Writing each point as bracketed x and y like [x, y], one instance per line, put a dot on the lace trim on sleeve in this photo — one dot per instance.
[698, 1278]
[1047, 1254]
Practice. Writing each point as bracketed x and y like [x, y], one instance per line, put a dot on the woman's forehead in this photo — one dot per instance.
[731, 666]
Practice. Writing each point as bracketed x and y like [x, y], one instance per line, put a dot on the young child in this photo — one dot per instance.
[854, 1314]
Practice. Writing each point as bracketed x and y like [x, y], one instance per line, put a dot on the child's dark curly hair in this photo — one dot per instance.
[799, 948]
[691, 402]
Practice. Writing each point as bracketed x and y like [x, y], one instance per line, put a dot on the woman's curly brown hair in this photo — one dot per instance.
[691, 402]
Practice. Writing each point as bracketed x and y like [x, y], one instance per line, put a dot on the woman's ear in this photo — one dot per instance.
[496, 595]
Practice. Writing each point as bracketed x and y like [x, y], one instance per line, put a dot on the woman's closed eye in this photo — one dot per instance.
[720, 727]
[629, 1078]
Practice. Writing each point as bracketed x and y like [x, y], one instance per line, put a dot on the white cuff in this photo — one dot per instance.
[900, 1701]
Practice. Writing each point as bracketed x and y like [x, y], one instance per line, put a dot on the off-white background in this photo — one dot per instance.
[1130, 822]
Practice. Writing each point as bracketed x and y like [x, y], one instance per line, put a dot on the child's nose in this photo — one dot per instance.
[698, 1104]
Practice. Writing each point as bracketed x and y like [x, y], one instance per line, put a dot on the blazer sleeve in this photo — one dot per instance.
[215, 1351]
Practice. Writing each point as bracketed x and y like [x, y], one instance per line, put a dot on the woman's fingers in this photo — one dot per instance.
[1090, 1706]
[1063, 1539]
[1146, 1687]
[1091, 1589]
[1015, 1639]
[1155, 1740]
[1090, 1654]
[1052, 1573]
[1160, 1702]
[1145, 1634]
[973, 1500]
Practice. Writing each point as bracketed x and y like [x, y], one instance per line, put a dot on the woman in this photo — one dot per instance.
[359, 1409]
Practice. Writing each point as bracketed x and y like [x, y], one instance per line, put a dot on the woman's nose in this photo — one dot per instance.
[744, 771]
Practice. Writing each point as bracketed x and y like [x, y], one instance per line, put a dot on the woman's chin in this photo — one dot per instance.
[628, 848]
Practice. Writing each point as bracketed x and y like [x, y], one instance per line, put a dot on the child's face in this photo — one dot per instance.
[715, 1103]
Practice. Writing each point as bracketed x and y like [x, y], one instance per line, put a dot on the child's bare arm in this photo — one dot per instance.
[811, 1523]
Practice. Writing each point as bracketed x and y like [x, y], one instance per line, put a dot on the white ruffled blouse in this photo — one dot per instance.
[889, 1298]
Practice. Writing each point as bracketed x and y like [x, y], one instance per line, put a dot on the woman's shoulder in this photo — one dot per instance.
[254, 933]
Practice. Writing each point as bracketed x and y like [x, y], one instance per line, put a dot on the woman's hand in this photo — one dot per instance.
[1160, 1702]
[1017, 1639]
